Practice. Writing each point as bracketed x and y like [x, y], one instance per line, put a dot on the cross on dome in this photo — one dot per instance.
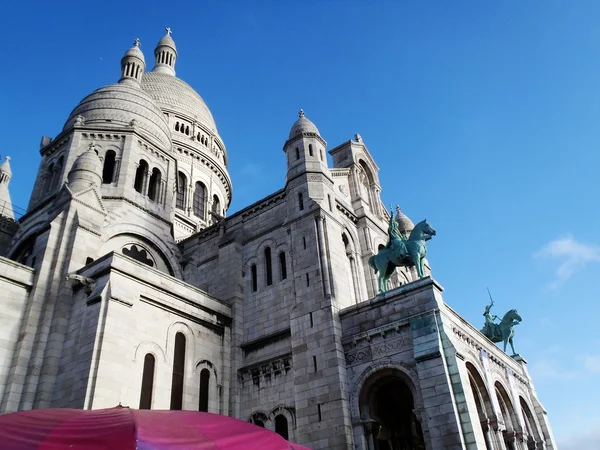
[168, 30]
[92, 146]
[301, 113]
[136, 42]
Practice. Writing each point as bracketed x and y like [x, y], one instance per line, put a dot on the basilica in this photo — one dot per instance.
[127, 282]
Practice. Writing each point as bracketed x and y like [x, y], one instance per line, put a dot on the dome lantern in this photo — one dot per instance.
[165, 55]
[133, 65]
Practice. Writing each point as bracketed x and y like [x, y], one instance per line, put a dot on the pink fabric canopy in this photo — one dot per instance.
[128, 429]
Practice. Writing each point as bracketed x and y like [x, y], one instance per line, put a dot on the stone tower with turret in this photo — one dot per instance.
[127, 282]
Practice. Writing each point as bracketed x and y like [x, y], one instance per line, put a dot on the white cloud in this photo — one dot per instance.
[548, 368]
[588, 440]
[571, 256]
[592, 364]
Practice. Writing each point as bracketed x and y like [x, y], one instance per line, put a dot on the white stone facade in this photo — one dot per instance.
[126, 283]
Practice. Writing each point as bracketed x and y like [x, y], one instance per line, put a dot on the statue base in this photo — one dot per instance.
[519, 358]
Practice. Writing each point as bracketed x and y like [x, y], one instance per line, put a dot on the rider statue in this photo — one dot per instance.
[394, 236]
[488, 328]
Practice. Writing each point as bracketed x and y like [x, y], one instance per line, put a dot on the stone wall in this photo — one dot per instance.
[410, 332]
[16, 281]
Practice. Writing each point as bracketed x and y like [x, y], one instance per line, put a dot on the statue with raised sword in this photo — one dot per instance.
[401, 251]
[503, 331]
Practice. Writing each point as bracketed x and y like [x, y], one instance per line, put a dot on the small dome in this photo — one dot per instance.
[86, 170]
[405, 225]
[135, 51]
[167, 40]
[120, 104]
[302, 125]
[5, 167]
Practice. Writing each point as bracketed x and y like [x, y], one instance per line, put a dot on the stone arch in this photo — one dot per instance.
[212, 396]
[259, 418]
[390, 408]
[149, 347]
[181, 327]
[507, 409]
[289, 414]
[531, 423]
[153, 240]
[25, 241]
[403, 369]
[205, 363]
[251, 278]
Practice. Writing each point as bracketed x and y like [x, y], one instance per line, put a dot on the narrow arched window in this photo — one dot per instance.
[216, 206]
[187, 131]
[178, 372]
[297, 153]
[300, 201]
[199, 200]
[181, 187]
[204, 379]
[57, 172]
[140, 176]
[176, 126]
[147, 382]
[154, 187]
[281, 426]
[254, 278]
[268, 268]
[282, 266]
[109, 167]
[321, 154]
[310, 150]
[48, 179]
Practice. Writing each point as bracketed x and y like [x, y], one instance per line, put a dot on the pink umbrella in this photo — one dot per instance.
[122, 428]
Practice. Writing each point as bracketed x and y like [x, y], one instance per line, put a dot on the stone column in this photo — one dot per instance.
[116, 171]
[323, 258]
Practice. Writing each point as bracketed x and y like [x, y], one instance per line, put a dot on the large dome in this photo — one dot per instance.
[172, 93]
[120, 104]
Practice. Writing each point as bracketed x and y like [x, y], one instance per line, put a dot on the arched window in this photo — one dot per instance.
[154, 187]
[198, 136]
[56, 173]
[216, 206]
[300, 201]
[140, 176]
[109, 167]
[321, 154]
[47, 179]
[181, 188]
[281, 426]
[310, 150]
[199, 200]
[282, 266]
[268, 268]
[147, 382]
[178, 373]
[254, 278]
[177, 126]
[297, 153]
[204, 379]
[187, 130]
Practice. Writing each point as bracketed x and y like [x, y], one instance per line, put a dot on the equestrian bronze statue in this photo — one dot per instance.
[503, 331]
[401, 251]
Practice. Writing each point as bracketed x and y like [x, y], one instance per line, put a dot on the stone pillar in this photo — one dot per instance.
[322, 257]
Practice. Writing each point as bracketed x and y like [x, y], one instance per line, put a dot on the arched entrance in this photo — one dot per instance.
[387, 407]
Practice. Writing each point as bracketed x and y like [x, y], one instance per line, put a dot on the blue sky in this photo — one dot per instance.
[483, 117]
